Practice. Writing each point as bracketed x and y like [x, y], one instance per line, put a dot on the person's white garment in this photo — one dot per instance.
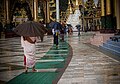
[53, 31]
[29, 51]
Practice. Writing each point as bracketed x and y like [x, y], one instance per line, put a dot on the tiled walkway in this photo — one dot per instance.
[88, 66]
[11, 56]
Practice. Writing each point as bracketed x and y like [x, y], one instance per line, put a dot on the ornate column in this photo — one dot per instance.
[107, 21]
[7, 11]
[76, 2]
[83, 16]
[115, 6]
[118, 13]
[109, 16]
[71, 10]
[48, 12]
[103, 20]
[35, 10]
[57, 11]
[102, 8]
[32, 8]
[108, 7]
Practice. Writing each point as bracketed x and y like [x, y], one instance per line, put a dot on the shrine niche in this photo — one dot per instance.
[19, 16]
[21, 12]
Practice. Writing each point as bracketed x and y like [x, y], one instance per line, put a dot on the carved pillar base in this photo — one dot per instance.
[103, 22]
[108, 24]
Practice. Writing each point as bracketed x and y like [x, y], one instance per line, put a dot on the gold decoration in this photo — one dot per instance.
[102, 8]
[108, 7]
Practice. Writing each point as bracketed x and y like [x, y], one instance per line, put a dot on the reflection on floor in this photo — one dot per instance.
[87, 66]
[11, 56]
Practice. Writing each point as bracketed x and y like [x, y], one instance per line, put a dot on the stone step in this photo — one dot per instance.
[109, 50]
[113, 47]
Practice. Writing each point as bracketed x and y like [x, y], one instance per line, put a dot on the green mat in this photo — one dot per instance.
[34, 78]
[47, 65]
[52, 57]
[45, 77]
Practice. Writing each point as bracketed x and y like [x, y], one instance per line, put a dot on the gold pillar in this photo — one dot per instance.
[70, 8]
[102, 8]
[48, 12]
[118, 13]
[115, 3]
[76, 2]
[35, 10]
[45, 8]
[32, 8]
[108, 7]
[7, 11]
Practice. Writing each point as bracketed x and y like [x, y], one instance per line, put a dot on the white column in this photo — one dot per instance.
[57, 11]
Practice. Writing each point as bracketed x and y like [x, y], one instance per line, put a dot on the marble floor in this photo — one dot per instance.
[87, 66]
[11, 56]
